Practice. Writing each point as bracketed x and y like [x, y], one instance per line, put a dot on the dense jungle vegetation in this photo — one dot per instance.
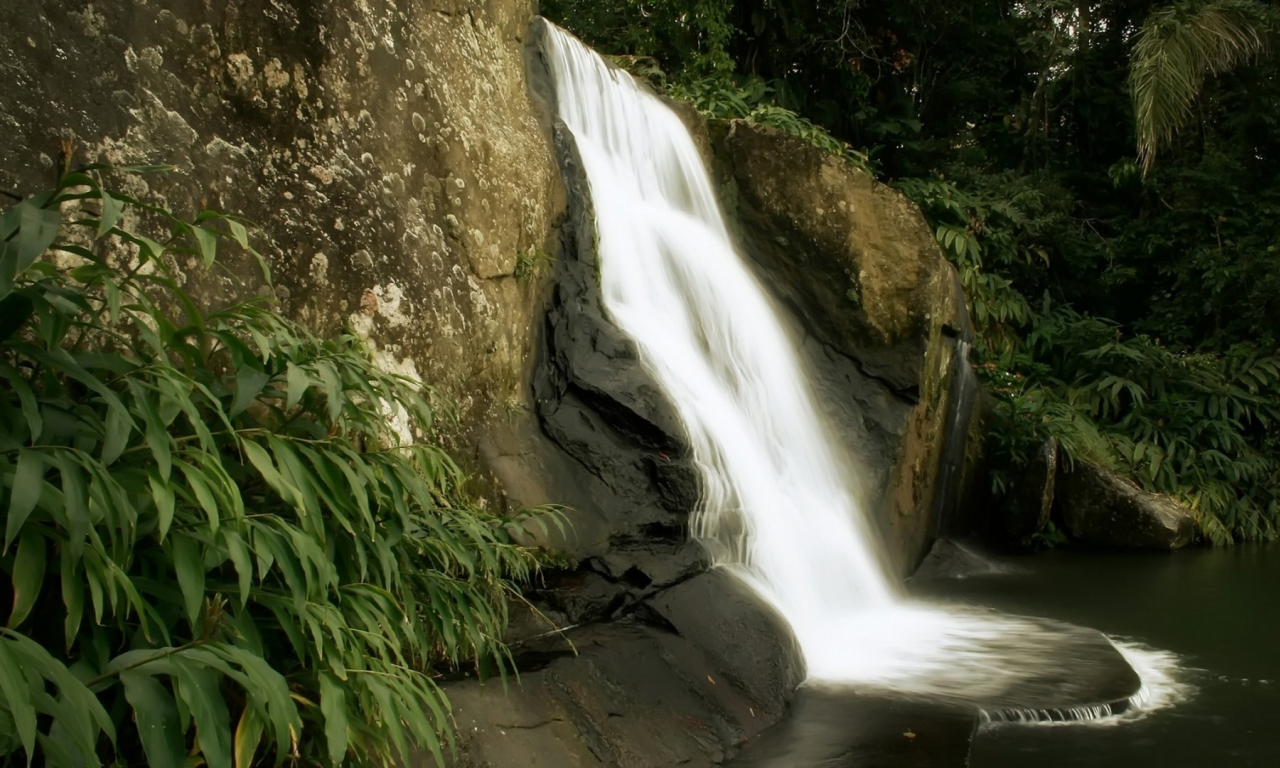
[1105, 176]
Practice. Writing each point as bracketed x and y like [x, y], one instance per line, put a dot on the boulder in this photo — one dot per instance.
[747, 641]
[1101, 508]
[879, 312]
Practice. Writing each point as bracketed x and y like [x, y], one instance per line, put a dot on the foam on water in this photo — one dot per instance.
[1162, 687]
[779, 506]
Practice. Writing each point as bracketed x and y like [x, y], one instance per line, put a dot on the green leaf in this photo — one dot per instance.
[28, 483]
[188, 561]
[238, 551]
[332, 384]
[298, 384]
[196, 479]
[37, 229]
[261, 461]
[27, 400]
[117, 431]
[156, 716]
[239, 232]
[75, 501]
[17, 697]
[72, 598]
[248, 736]
[200, 689]
[162, 494]
[114, 303]
[249, 384]
[28, 575]
[157, 433]
[207, 240]
[112, 210]
[268, 688]
[333, 706]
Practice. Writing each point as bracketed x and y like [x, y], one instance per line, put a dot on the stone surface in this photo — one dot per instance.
[1100, 508]
[390, 151]
[949, 559]
[878, 308]
[748, 642]
[608, 443]
[633, 696]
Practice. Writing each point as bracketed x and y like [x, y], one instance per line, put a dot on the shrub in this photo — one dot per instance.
[219, 547]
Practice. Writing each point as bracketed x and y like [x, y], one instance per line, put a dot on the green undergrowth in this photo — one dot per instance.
[219, 549]
[1197, 425]
[724, 97]
[721, 97]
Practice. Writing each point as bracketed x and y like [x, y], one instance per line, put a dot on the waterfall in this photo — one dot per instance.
[779, 508]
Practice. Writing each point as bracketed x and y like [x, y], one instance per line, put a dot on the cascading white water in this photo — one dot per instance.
[779, 507]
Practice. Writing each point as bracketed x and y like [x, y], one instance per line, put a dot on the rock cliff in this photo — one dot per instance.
[389, 150]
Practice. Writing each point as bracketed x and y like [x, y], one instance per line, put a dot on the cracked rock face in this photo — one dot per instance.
[389, 150]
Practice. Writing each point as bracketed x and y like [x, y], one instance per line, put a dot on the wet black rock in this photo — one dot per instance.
[633, 695]
[844, 730]
[748, 641]
[952, 560]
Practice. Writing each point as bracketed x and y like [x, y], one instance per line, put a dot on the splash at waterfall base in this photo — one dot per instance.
[676, 664]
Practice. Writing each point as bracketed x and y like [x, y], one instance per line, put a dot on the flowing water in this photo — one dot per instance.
[1219, 610]
[779, 506]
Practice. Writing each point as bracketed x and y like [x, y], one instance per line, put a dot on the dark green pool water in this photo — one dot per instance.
[1219, 610]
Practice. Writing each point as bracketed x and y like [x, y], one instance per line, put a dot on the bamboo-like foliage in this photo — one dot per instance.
[219, 550]
[1176, 49]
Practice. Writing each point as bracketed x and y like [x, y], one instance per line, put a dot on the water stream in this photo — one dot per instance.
[779, 507]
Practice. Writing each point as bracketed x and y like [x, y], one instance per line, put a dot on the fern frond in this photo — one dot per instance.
[1176, 49]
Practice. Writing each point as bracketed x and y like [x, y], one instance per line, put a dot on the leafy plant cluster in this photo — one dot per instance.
[1193, 425]
[219, 548]
[723, 99]
[685, 36]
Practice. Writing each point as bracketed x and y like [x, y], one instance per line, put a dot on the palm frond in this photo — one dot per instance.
[1176, 49]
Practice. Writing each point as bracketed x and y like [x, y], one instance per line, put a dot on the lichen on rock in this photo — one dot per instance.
[329, 124]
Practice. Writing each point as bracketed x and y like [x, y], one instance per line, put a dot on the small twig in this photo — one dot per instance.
[557, 631]
[13, 195]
